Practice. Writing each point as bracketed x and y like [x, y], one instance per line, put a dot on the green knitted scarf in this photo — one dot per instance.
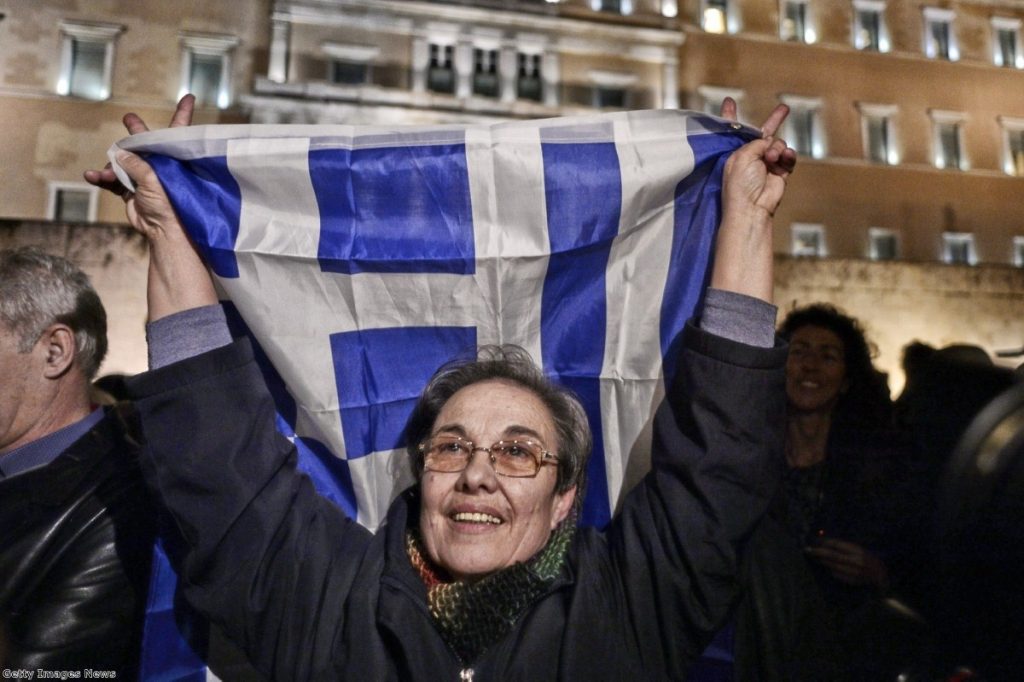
[471, 616]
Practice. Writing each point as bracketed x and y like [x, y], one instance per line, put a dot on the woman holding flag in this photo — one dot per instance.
[480, 571]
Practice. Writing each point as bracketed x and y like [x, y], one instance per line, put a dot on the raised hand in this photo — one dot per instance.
[753, 184]
[178, 280]
[758, 171]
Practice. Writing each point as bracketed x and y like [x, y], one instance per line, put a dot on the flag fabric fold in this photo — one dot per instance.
[360, 259]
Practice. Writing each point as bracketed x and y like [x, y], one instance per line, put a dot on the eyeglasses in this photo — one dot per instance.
[513, 458]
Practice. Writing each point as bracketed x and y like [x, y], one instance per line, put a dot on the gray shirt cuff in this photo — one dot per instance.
[186, 334]
[738, 317]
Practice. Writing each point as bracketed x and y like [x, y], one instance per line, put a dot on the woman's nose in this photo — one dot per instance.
[479, 473]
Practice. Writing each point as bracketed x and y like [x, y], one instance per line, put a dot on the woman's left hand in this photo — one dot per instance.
[850, 563]
[753, 184]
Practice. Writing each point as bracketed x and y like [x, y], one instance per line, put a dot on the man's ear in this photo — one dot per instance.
[58, 342]
[563, 504]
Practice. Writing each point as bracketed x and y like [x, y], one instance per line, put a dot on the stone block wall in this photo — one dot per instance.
[900, 302]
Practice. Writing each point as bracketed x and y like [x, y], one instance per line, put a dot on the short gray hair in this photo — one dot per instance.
[38, 289]
[508, 363]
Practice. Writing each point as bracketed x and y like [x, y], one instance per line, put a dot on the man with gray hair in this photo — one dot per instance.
[76, 530]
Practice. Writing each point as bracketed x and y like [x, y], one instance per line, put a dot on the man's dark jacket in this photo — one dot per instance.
[76, 539]
[310, 594]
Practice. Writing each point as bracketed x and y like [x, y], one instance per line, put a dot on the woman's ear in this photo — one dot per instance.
[563, 505]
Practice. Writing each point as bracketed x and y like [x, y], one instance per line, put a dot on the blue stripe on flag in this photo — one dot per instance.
[329, 473]
[697, 212]
[394, 209]
[209, 204]
[380, 374]
[583, 192]
[174, 638]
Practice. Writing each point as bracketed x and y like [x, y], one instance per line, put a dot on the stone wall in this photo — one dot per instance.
[902, 302]
[898, 302]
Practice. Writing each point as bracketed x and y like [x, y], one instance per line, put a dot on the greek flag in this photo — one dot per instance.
[359, 259]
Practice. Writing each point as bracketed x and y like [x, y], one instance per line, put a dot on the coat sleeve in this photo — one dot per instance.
[716, 461]
[264, 556]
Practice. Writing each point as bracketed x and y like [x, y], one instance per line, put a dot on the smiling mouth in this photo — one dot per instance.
[476, 517]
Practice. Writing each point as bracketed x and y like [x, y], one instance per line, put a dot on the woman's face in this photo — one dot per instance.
[815, 370]
[474, 522]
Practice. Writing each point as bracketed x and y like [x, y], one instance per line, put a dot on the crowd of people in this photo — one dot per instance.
[789, 496]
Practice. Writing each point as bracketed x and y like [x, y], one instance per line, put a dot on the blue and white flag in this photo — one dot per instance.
[360, 259]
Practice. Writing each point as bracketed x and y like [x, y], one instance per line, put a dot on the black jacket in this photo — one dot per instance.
[310, 594]
[76, 539]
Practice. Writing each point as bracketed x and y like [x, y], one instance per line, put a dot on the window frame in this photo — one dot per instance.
[54, 187]
[1015, 126]
[624, 7]
[208, 45]
[876, 7]
[885, 113]
[940, 120]
[951, 239]
[444, 48]
[713, 95]
[939, 15]
[810, 105]
[807, 35]
[1017, 255]
[350, 53]
[90, 32]
[492, 55]
[730, 16]
[877, 233]
[601, 79]
[527, 55]
[798, 229]
[1012, 25]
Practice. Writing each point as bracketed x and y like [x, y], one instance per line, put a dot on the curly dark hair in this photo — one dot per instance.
[867, 397]
[514, 364]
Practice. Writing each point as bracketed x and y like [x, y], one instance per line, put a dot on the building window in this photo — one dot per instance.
[939, 39]
[883, 244]
[611, 89]
[717, 16]
[70, 202]
[877, 128]
[803, 126]
[1013, 145]
[794, 23]
[713, 95]
[869, 30]
[528, 77]
[947, 140]
[349, 64]
[441, 73]
[605, 97]
[958, 248]
[206, 68]
[348, 73]
[87, 58]
[614, 6]
[1006, 43]
[485, 72]
[1018, 251]
[808, 240]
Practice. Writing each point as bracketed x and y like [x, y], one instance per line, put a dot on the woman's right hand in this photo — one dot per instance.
[178, 280]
